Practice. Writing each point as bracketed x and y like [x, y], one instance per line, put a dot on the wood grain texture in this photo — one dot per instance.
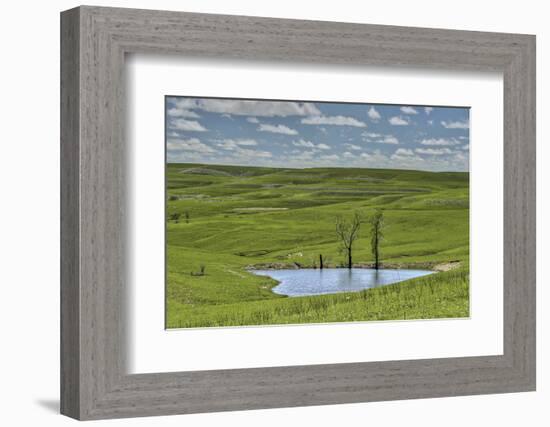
[94, 382]
[70, 292]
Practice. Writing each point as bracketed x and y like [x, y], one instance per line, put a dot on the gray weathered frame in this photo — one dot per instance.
[94, 41]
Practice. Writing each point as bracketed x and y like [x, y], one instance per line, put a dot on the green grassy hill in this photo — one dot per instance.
[226, 218]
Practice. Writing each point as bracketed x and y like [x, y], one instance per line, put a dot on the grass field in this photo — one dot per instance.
[224, 219]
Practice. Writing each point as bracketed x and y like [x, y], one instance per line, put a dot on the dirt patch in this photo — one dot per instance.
[447, 266]
[273, 266]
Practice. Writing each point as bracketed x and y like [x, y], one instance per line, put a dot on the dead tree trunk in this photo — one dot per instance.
[321, 261]
[347, 232]
[377, 222]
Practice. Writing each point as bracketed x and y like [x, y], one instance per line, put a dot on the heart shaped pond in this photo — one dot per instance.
[309, 281]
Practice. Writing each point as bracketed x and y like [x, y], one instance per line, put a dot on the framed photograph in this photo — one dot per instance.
[330, 202]
[261, 213]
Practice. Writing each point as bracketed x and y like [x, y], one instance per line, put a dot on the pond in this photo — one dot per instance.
[309, 281]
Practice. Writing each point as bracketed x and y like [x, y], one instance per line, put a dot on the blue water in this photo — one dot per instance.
[309, 281]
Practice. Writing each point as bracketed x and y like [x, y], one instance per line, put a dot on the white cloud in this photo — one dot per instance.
[371, 135]
[247, 154]
[234, 149]
[408, 110]
[379, 138]
[308, 144]
[277, 129]
[248, 107]
[402, 159]
[247, 142]
[228, 145]
[428, 110]
[187, 125]
[373, 114]
[430, 122]
[334, 121]
[252, 120]
[233, 144]
[406, 157]
[398, 121]
[191, 144]
[305, 155]
[375, 158]
[440, 141]
[303, 143]
[404, 152]
[465, 147]
[182, 112]
[353, 147]
[433, 151]
[456, 125]
[388, 139]
[331, 157]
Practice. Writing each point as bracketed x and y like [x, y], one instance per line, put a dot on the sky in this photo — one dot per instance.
[295, 134]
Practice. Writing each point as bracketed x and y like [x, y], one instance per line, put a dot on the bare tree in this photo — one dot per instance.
[347, 232]
[376, 224]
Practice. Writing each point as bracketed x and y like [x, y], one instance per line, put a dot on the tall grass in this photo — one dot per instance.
[441, 295]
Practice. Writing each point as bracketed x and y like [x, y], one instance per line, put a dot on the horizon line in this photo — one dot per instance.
[314, 167]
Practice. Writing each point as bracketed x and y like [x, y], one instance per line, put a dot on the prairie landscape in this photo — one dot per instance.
[290, 212]
[226, 222]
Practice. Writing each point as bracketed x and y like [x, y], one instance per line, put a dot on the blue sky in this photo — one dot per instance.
[316, 134]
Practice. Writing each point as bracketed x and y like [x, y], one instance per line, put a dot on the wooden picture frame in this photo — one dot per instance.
[94, 382]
